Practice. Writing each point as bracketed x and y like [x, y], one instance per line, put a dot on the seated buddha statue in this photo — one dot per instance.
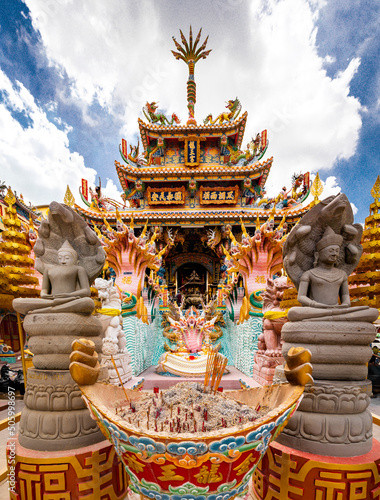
[65, 287]
[323, 290]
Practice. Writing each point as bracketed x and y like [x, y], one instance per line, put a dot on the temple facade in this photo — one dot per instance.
[196, 227]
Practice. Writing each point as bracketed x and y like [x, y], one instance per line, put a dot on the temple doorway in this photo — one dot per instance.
[192, 267]
[192, 284]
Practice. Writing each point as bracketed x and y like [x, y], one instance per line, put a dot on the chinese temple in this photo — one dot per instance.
[192, 286]
[195, 195]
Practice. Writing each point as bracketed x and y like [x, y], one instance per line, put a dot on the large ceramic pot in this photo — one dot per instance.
[210, 465]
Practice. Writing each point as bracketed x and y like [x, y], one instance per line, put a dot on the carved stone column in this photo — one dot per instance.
[332, 418]
[55, 417]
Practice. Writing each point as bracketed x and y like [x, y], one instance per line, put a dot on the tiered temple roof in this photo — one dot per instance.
[197, 173]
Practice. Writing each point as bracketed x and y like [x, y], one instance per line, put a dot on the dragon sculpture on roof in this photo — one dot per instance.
[234, 107]
[150, 112]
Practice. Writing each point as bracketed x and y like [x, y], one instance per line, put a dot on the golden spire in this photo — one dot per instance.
[69, 198]
[10, 198]
[375, 191]
[316, 189]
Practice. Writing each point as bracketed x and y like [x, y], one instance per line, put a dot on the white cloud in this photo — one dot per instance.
[118, 54]
[112, 191]
[36, 160]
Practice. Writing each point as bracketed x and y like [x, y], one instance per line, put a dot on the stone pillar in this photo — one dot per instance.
[55, 416]
[332, 418]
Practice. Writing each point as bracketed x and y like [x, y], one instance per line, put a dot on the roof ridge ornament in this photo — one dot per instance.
[190, 54]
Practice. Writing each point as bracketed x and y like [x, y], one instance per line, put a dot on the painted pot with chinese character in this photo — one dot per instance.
[208, 465]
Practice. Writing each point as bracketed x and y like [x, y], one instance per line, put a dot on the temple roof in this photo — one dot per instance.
[237, 127]
[206, 172]
[197, 216]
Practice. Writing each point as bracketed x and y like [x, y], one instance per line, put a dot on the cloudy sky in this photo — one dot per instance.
[75, 74]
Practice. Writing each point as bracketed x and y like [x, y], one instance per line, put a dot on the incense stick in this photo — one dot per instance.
[118, 374]
[215, 370]
[222, 368]
[209, 367]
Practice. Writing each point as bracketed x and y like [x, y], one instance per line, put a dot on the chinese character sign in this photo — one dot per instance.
[219, 195]
[192, 152]
[166, 196]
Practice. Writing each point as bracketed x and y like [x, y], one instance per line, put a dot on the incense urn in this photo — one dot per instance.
[205, 465]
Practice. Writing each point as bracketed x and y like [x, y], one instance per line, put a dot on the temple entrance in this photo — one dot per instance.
[193, 269]
[192, 284]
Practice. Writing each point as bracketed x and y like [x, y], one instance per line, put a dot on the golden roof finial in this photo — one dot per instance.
[69, 198]
[375, 191]
[316, 189]
[10, 198]
[189, 53]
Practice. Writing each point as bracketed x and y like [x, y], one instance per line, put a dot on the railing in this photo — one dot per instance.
[243, 341]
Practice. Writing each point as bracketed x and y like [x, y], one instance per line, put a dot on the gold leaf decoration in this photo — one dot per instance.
[316, 189]
[375, 191]
[69, 198]
[10, 198]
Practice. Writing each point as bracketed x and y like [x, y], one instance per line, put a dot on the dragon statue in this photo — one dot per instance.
[190, 330]
[150, 112]
[234, 107]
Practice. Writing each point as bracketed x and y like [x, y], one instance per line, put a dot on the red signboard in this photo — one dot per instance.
[85, 188]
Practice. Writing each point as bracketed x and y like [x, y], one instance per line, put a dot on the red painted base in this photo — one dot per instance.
[288, 474]
[90, 473]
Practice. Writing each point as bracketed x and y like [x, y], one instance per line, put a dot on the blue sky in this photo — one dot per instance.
[74, 77]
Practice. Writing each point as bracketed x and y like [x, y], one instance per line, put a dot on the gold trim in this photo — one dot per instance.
[151, 191]
[4, 423]
[203, 190]
[375, 419]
